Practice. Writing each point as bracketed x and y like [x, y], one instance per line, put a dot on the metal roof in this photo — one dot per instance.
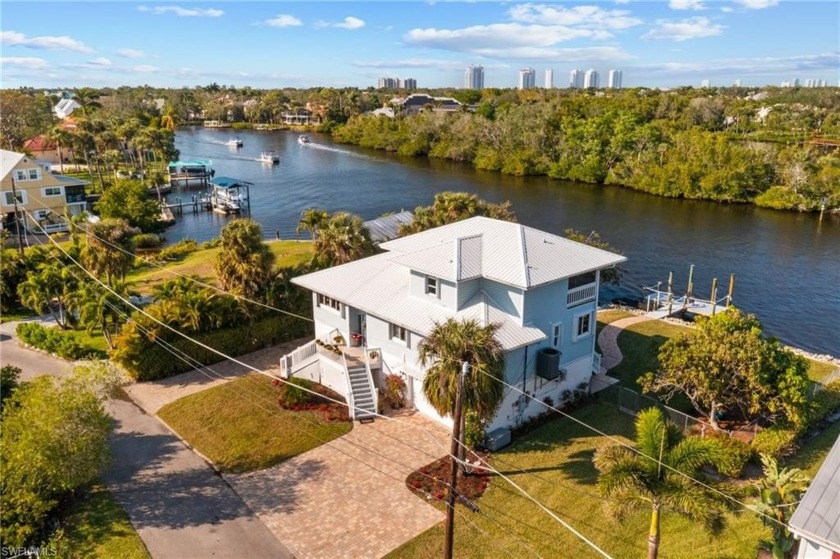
[8, 160]
[511, 253]
[191, 163]
[386, 227]
[817, 518]
[228, 182]
[380, 287]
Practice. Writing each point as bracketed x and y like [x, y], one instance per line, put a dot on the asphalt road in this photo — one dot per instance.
[178, 505]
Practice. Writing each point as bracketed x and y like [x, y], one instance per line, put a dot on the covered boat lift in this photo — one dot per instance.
[227, 196]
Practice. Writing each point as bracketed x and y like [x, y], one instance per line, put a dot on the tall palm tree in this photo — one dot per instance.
[311, 220]
[632, 481]
[245, 263]
[100, 255]
[87, 98]
[445, 349]
[99, 308]
[48, 290]
[779, 491]
[62, 138]
[342, 239]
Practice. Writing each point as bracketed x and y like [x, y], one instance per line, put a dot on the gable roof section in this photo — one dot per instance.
[8, 160]
[817, 518]
[386, 227]
[39, 143]
[512, 253]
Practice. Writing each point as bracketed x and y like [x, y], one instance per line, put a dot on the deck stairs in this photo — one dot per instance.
[363, 398]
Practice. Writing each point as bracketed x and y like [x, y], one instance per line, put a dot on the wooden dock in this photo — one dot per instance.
[661, 304]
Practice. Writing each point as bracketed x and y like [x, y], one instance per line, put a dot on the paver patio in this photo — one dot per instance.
[348, 498]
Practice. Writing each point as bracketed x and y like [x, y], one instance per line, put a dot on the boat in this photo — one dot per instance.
[229, 195]
[303, 140]
[234, 142]
[270, 157]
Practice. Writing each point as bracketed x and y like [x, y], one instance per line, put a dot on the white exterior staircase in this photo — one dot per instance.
[364, 400]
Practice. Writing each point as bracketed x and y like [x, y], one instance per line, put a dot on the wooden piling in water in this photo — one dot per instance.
[714, 295]
[731, 289]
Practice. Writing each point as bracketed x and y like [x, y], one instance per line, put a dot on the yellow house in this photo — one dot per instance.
[43, 197]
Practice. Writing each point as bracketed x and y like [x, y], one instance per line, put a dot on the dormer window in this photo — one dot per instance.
[432, 286]
[27, 174]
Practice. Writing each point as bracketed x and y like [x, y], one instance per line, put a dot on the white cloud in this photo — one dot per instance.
[100, 62]
[727, 9]
[349, 22]
[554, 54]
[284, 20]
[757, 4]
[764, 65]
[578, 16]
[182, 12]
[498, 36]
[145, 69]
[410, 63]
[131, 53]
[31, 63]
[686, 5]
[683, 30]
[46, 42]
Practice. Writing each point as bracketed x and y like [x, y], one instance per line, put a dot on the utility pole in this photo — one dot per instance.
[17, 217]
[456, 445]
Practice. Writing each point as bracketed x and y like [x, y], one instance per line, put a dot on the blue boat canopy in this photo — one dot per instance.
[227, 182]
[192, 163]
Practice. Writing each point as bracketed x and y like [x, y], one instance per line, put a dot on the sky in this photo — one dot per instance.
[335, 44]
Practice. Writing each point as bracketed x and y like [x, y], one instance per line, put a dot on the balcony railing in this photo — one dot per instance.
[583, 294]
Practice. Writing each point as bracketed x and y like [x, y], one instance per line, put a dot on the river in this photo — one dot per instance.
[787, 265]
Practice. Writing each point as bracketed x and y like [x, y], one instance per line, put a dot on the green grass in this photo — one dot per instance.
[813, 452]
[16, 314]
[818, 370]
[200, 264]
[560, 453]
[640, 345]
[96, 527]
[240, 427]
[94, 341]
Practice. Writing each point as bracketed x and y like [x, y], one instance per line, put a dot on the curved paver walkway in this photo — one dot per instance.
[608, 340]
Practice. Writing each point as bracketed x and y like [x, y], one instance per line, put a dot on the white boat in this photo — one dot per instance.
[303, 140]
[270, 157]
[234, 142]
[229, 195]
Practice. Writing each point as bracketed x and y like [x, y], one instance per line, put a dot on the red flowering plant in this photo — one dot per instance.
[432, 480]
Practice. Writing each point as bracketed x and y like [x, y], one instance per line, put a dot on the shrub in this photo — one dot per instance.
[778, 441]
[734, 454]
[825, 402]
[61, 343]
[294, 392]
[212, 243]
[178, 251]
[394, 387]
[474, 432]
[146, 240]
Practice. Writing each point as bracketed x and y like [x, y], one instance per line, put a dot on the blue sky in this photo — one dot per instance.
[305, 44]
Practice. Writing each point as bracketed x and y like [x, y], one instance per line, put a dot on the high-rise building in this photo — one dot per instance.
[576, 79]
[527, 78]
[705, 83]
[614, 79]
[474, 77]
[591, 79]
[549, 78]
[388, 83]
[736, 83]
[408, 83]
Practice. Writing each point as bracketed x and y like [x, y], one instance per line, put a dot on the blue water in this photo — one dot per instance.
[787, 265]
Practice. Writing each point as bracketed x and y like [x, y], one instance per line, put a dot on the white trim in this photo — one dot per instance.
[330, 304]
[9, 200]
[398, 334]
[427, 290]
[556, 335]
[44, 191]
[576, 335]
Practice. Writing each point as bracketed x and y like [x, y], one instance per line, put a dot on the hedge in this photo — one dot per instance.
[777, 441]
[53, 340]
[151, 361]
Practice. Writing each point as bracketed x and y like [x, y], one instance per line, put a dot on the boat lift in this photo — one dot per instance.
[662, 304]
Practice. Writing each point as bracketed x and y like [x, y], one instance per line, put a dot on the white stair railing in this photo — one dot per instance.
[373, 392]
[351, 403]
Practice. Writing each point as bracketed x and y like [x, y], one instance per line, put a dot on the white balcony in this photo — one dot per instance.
[580, 295]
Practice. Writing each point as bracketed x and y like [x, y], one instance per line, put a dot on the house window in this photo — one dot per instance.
[9, 198]
[52, 191]
[556, 335]
[431, 286]
[399, 333]
[583, 325]
[27, 174]
[324, 301]
[34, 174]
[42, 214]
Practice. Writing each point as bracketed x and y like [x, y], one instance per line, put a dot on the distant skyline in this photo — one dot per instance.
[335, 44]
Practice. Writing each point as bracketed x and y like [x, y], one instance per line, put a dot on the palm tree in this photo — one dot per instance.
[660, 478]
[311, 220]
[342, 239]
[445, 349]
[779, 491]
[87, 98]
[168, 120]
[100, 255]
[49, 289]
[62, 138]
[244, 264]
[99, 308]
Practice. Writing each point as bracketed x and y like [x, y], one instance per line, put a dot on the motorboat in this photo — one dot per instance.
[270, 157]
[234, 143]
[303, 140]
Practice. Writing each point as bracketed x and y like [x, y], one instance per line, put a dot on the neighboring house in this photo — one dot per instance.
[541, 289]
[419, 102]
[46, 150]
[65, 108]
[298, 116]
[44, 196]
[387, 227]
[816, 520]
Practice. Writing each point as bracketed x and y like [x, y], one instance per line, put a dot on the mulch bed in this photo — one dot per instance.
[332, 412]
[431, 482]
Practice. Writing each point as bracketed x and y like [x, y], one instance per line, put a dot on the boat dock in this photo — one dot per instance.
[662, 304]
[185, 173]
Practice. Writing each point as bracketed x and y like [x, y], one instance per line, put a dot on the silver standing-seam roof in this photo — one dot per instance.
[505, 252]
[817, 518]
[8, 160]
[386, 227]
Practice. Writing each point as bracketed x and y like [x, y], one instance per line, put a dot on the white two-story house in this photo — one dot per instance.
[541, 289]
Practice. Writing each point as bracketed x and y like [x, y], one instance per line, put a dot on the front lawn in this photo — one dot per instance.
[558, 471]
[240, 427]
[96, 527]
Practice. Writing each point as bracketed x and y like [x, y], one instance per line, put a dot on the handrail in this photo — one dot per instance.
[582, 294]
[371, 385]
[351, 403]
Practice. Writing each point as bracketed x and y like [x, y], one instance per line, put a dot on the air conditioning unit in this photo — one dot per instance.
[497, 439]
[548, 363]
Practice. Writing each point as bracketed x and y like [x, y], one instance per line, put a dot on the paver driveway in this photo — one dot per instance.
[346, 499]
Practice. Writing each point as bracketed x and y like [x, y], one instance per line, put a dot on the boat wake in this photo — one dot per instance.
[341, 151]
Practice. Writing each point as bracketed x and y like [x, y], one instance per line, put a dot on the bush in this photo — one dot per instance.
[146, 240]
[474, 432]
[147, 360]
[291, 393]
[825, 402]
[735, 454]
[778, 441]
[61, 343]
[178, 251]
[394, 390]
